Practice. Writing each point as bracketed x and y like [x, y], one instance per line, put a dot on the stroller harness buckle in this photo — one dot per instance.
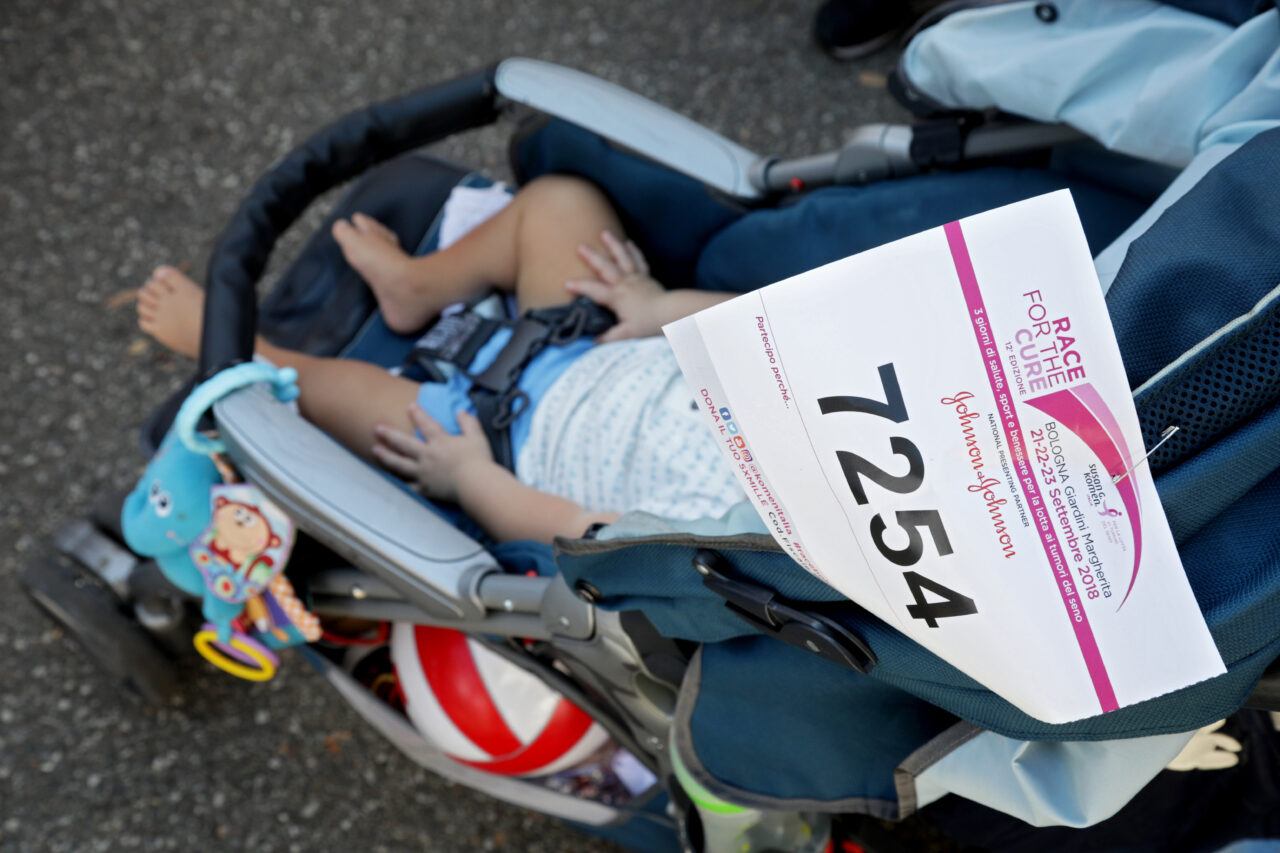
[528, 337]
[784, 620]
[495, 392]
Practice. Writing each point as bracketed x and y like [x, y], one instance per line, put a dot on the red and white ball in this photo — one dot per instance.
[484, 711]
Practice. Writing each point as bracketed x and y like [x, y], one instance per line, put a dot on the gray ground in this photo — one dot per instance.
[128, 131]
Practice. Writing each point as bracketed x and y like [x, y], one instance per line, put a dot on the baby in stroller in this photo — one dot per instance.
[616, 428]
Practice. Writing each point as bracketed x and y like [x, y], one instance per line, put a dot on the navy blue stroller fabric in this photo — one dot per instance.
[693, 237]
[670, 216]
[836, 222]
[1209, 260]
[1233, 12]
[1166, 299]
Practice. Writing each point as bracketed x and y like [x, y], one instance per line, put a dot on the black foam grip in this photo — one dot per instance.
[330, 157]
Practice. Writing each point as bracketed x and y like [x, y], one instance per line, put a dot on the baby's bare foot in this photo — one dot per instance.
[171, 309]
[373, 250]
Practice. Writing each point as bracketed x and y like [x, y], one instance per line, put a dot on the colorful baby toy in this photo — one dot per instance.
[221, 541]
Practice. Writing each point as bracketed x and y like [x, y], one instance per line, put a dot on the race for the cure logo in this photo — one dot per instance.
[1047, 348]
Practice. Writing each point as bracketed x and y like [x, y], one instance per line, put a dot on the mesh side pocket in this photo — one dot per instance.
[1215, 391]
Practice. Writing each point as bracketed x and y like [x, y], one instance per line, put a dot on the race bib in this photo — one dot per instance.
[941, 429]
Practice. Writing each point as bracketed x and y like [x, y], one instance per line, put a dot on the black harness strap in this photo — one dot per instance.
[454, 338]
[495, 391]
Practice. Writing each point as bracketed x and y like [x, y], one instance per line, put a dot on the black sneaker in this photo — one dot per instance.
[852, 29]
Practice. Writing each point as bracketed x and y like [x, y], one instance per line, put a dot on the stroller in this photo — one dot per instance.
[656, 665]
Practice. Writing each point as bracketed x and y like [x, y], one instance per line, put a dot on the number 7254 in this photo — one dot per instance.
[856, 469]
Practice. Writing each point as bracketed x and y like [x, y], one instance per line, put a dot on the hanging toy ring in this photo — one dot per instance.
[243, 657]
[283, 382]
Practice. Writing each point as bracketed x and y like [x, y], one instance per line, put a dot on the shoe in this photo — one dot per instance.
[851, 29]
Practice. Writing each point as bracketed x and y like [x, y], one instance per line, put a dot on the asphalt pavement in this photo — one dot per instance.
[129, 129]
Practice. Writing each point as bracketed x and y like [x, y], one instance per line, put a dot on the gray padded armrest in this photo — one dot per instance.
[630, 120]
[346, 505]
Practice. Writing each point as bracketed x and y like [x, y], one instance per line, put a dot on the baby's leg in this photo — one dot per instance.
[529, 248]
[344, 398]
[347, 398]
[560, 214]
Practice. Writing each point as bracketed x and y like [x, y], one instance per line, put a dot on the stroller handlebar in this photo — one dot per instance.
[331, 156]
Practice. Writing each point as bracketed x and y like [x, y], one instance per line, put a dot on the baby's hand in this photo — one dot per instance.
[624, 287]
[435, 462]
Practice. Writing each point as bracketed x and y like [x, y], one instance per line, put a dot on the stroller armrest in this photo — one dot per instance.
[351, 508]
[628, 119]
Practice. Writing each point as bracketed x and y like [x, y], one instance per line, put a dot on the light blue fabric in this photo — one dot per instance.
[1140, 77]
[620, 430]
[1049, 784]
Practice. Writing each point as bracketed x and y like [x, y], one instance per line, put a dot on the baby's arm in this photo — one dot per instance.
[460, 469]
[508, 509]
[642, 305]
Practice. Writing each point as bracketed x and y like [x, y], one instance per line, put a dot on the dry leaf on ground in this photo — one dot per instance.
[124, 297]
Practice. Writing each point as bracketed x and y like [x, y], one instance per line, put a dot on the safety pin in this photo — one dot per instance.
[1168, 433]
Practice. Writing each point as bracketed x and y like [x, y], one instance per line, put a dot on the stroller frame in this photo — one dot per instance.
[412, 565]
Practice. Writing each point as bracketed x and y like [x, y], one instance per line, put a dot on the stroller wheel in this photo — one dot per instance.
[90, 613]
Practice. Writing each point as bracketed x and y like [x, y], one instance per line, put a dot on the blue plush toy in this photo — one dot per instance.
[169, 509]
[224, 543]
